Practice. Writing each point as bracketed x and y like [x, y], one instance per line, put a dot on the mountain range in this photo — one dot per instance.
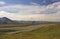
[5, 20]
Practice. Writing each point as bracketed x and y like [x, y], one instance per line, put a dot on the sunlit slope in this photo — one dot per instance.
[46, 32]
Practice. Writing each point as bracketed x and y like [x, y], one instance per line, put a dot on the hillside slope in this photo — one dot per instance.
[46, 32]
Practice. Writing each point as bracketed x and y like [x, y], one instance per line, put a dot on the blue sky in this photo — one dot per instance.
[40, 10]
[28, 2]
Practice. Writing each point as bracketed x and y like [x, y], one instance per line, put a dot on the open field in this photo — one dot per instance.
[16, 29]
[17, 24]
[48, 31]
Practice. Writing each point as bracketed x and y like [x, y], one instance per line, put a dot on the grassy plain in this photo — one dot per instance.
[46, 32]
[17, 24]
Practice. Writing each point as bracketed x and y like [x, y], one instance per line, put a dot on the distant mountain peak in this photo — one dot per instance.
[5, 20]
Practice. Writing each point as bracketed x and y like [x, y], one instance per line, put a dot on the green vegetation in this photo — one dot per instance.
[2, 35]
[46, 32]
[17, 24]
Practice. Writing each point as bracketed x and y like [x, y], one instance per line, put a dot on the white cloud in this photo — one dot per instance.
[2, 2]
[32, 12]
[20, 17]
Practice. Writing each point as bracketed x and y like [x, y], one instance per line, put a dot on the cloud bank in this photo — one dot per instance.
[2, 3]
[32, 12]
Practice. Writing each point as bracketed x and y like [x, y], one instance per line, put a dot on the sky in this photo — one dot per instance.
[37, 10]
